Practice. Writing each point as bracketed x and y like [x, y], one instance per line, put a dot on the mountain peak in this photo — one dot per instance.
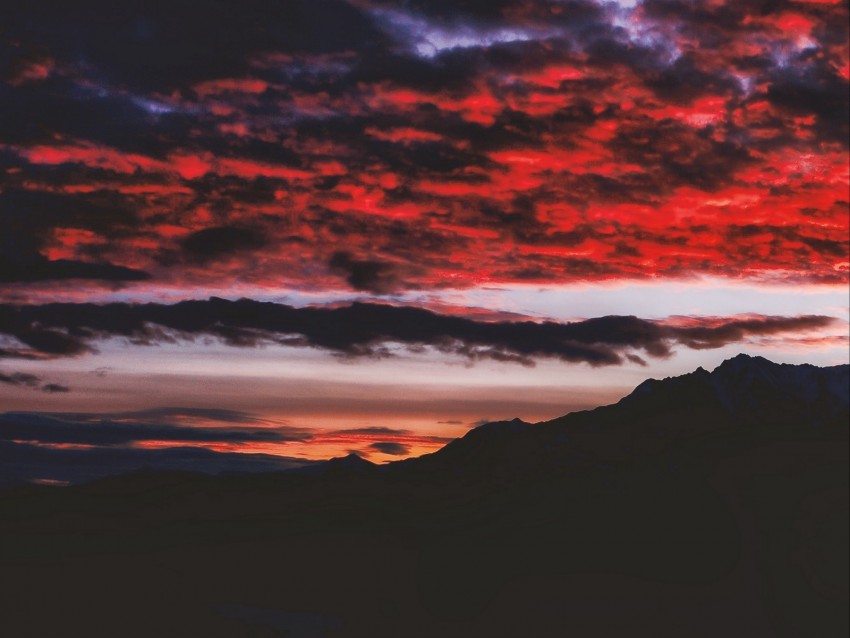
[349, 464]
[740, 361]
[746, 382]
[514, 425]
[352, 460]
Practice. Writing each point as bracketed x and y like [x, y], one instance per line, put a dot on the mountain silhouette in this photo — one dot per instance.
[744, 393]
[350, 464]
[709, 504]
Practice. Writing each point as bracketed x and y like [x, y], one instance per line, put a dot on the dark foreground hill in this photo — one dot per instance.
[712, 504]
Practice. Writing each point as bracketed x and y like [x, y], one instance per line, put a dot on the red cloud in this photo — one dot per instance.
[707, 140]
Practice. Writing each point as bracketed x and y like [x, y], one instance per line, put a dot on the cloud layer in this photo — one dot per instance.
[74, 447]
[137, 428]
[384, 145]
[32, 381]
[372, 330]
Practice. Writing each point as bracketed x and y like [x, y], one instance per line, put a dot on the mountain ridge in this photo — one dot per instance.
[805, 381]
[667, 512]
[744, 392]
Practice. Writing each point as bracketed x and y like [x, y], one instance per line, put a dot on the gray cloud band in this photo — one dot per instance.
[370, 330]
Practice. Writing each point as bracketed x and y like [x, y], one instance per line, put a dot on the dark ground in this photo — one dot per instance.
[649, 518]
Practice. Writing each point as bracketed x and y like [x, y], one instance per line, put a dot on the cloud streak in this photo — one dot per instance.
[32, 381]
[76, 446]
[390, 447]
[106, 431]
[371, 330]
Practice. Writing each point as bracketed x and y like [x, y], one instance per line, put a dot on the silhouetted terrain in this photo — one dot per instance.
[711, 504]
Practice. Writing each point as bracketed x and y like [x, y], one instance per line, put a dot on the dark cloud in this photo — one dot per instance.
[220, 242]
[454, 9]
[367, 329]
[683, 81]
[365, 274]
[818, 91]
[34, 113]
[40, 269]
[390, 447]
[108, 430]
[20, 378]
[51, 342]
[27, 219]
[735, 330]
[162, 45]
[55, 388]
[679, 153]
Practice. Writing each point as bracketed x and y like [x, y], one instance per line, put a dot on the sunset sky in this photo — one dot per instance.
[309, 227]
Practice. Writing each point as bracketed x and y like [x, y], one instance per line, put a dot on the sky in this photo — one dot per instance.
[312, 227]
